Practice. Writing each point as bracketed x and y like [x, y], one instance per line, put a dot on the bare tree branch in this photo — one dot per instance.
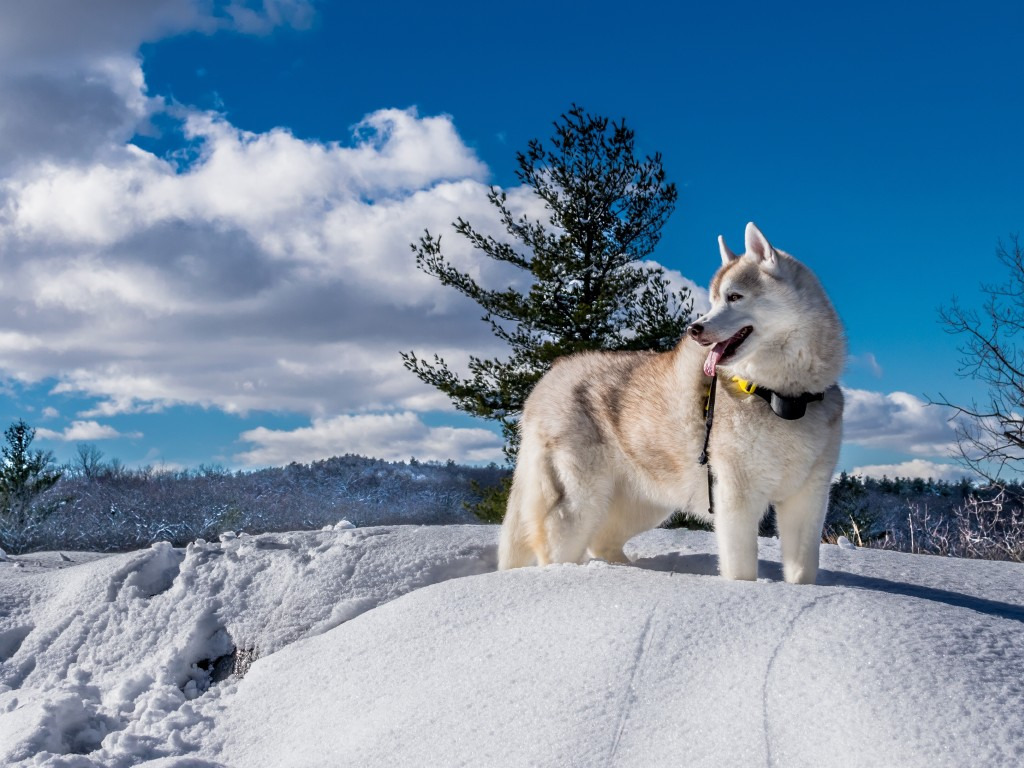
[991, 439]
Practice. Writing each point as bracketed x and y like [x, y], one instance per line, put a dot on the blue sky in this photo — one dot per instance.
[205, 207]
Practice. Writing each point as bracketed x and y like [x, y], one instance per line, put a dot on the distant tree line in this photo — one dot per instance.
[100, 505]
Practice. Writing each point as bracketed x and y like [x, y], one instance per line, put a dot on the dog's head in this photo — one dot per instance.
[767, 310]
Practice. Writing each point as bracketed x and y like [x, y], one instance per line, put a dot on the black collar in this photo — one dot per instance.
[785, 406]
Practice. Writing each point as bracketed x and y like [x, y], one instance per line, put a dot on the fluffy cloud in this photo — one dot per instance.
[914, 468]
[897, 421]
[81, 431]
[55, 34]
[272, 273]
[393, 436]
[254, 272]
[71, 87]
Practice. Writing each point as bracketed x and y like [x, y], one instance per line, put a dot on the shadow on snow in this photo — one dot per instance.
[707, 565]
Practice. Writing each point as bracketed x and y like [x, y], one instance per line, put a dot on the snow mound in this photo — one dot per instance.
[605, 665]
[364, 647]
[116, 657]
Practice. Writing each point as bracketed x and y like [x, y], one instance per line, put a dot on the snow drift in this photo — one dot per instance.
[401, 646]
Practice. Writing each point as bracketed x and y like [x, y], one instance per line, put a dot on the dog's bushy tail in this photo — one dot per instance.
[514, 549]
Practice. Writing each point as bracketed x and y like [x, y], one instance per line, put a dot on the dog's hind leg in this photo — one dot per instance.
[608, 538]
[800, 518]
[543, 522]
[625, 519]
[607, 546]
[583, 498]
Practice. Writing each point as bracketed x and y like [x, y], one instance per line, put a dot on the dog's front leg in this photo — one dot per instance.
[800, 518]
[737, 515]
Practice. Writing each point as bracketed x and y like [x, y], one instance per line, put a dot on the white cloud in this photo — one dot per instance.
[80, 431]
[50, 34]
[392, 436]
[914, 468]
[266, 272]
[897, 421]
[45, 34]
[272, 274]
[71, 86]
[268, 185]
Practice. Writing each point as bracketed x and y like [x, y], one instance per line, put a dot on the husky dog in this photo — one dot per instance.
[611, 440]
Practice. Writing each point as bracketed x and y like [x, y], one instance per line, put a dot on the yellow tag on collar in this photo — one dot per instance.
[744, 386]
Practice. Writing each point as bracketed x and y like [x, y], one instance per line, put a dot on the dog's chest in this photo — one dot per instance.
[747, 436]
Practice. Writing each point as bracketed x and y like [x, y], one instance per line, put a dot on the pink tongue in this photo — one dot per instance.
[714, 356]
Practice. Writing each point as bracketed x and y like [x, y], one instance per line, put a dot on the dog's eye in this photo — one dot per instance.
[734, 297]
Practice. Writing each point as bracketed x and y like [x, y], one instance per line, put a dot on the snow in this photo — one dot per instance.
[402, 646]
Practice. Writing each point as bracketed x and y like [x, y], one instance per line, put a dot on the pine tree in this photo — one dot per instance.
[590, 286]
[24, 474]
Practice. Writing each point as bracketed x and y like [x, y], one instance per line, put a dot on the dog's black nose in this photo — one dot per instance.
[695, 329]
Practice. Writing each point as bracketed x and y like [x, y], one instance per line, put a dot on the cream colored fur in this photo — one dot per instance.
[610, 440]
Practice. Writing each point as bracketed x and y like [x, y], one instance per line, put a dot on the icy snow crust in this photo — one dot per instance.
[401, 646]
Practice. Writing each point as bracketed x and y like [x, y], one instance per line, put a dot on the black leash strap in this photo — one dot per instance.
[709, 419]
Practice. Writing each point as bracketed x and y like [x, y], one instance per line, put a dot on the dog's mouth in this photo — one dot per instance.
[723, 350]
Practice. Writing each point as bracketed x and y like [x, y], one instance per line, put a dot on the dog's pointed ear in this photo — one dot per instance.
[727, 255]
[759, 247]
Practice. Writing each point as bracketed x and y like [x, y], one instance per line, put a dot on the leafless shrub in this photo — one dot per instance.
[981, 528]
[990, 435]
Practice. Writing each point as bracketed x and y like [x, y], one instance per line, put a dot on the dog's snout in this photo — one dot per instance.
[695, 330]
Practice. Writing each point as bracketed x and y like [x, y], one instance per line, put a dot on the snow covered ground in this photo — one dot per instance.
[401, 646]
